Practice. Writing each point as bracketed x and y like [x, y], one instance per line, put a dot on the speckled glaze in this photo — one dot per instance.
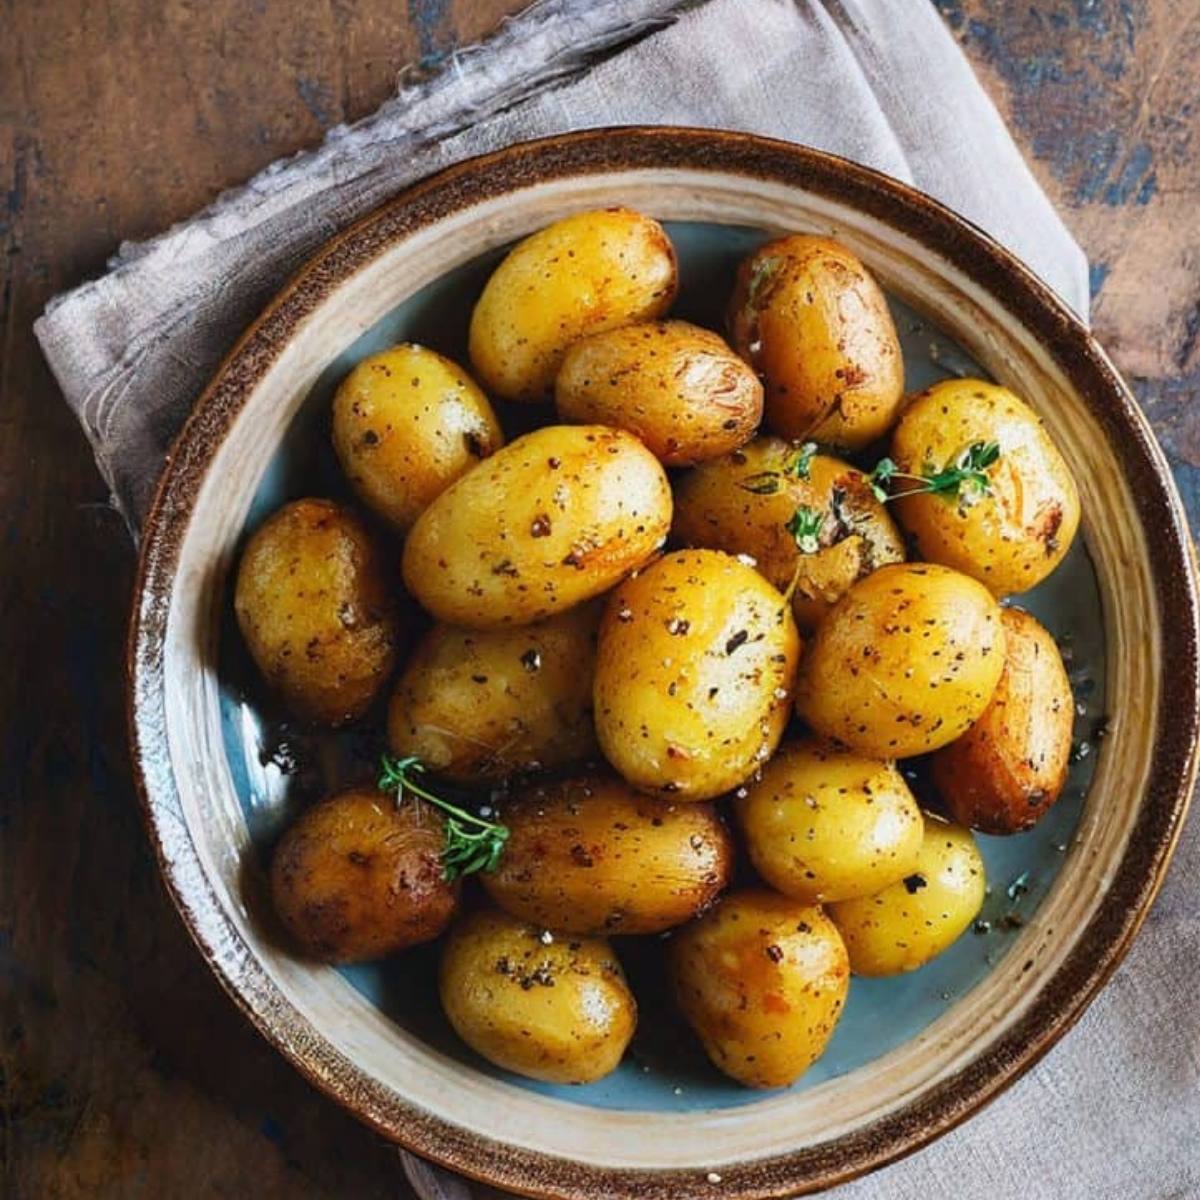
[783, 1143]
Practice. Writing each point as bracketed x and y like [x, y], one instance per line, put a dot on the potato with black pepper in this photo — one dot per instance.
[547, 1007]
[1011, 765]
[315, 611]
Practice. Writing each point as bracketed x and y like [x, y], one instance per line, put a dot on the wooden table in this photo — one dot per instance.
[124, 1071]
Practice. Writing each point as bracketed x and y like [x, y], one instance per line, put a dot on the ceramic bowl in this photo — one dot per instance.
[913, 1056]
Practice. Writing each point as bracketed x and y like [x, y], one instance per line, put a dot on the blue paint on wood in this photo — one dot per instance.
[318, 99]
[1097, 274]
[1136, 180]
[429, 17]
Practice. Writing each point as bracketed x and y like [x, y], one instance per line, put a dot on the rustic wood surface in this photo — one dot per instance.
[124, 1071]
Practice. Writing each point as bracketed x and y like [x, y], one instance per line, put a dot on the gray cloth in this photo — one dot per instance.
[1113, 1111]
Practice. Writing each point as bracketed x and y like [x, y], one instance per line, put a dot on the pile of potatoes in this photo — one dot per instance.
[675, 640]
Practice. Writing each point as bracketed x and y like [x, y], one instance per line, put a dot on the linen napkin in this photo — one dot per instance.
[1114, 1111]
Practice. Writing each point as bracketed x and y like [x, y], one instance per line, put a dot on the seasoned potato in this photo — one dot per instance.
[591, 855]
[822, 824]
[359, 877]
[693, 674]
[313, 607]
[1010, 766]
[680, 388]
[553, 519]
[548, 1007]
[902, 927]
[762, 979]
[406, 424]
[743, 504]
[1011, 537]
[815, 325]
[583, 274]
[904, 663]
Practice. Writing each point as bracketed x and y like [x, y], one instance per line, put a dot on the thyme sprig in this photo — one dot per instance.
[965, 477]
[805, 527]
[766, 483]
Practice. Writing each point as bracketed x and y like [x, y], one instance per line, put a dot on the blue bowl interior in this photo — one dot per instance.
[277, 768]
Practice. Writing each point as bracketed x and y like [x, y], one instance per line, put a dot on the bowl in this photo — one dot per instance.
[218, 770]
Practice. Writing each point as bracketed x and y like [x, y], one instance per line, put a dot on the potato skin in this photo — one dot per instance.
[1009, 540]
[359, 877]
[586, 273]
[553, 519]
[762, 979]
[815, 325]
[902, 927]
[678, 387]
[823, 824]
[315, 612]
[694, 670]
[559, 1011]
[1011, 765]
[406, 424]
[742, 503]
[480, 705]
[906, 661]
[591, 855]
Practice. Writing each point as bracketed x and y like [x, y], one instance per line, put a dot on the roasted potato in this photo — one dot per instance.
[480, 705]
[762, 979]
[1011, 765]
[359, 877]
[549, 1007]
[586, 273]
[406, 424]
[553, 519]
[315, 611]
[694, 671]
[680, 388]
[591, 855]
[1011, 536]
[902, 927]
[813, 322]
[745, 502]
[822, 824]
[904, 663]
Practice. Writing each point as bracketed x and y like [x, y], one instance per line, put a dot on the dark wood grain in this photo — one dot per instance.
[123, 1070]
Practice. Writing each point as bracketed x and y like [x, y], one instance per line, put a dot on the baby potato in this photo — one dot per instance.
[1011, 765]
[694, 671]
[553, 519]
[359, 877]
[815, 325]
[586, 273]
[905, 662]
[902, 927]
[591, 855]
[822, 824]
[762, 979]
[551, 1008]
[315, 612]
[680, 388]
[743, 504]
[1013, 536]
[406, 424]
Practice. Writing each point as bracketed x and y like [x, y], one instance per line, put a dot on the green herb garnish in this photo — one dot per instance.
[802, 463]
[805, 528]
[766, 483]
[966, 477]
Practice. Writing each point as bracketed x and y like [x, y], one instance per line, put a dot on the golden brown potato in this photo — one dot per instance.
[813, 322]
[693, 674]
[548, 1007]
[591, 855]
[823, 824]
[744, 503]
[1011, 537]
[586, 273]
[906, 661]
[359, 877]
[680, 388]
[910, 922]
[762, 979]
[314, 609]
[406, 424]
[553, 519]
[1011, 765]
